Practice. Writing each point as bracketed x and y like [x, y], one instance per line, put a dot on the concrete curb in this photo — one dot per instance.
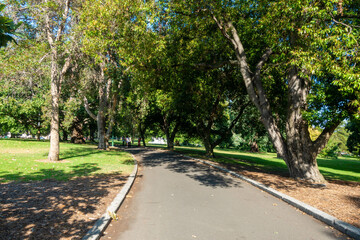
[343, 227]
[95, 232]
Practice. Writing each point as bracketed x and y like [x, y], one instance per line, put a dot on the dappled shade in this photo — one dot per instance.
[52, 209]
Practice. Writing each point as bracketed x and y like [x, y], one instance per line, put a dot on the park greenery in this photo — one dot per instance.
[343, 168]
[26, 160]
[268, 75]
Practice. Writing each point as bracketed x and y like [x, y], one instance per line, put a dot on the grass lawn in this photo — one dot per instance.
[26, 160]
[343, 168]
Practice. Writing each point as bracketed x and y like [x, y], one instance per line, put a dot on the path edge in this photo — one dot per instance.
[339, 225]
[96, 231]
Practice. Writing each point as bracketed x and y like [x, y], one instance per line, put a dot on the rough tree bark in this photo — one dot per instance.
[298, 150]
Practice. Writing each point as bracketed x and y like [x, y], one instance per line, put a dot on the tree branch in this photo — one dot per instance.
[232, 125]
[261, 63]
[62, 24]
[48, 30]
[87, 108]
[325, 135]
[221, 27]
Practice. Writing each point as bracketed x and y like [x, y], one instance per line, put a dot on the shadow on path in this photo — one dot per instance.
[203, 174]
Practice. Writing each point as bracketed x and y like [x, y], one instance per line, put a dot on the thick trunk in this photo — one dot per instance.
[55, 97]
[169, 140]
[77, 135]
[209, 148]
[143, 140]
[302, 166]
[170, 144]
[300, 157]
[298, 151]
[101, 131]
[170, 137]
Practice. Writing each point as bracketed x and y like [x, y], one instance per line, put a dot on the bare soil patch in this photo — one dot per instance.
[53, 209]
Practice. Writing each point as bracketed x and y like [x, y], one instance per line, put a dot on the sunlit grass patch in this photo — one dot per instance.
[26, 160]
[342, 168]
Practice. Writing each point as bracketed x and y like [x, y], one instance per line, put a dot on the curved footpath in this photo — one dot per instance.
[180, 198]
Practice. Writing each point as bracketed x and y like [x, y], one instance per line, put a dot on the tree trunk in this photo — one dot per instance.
[77, 135]
[170, 136]
[297, 150]
[103, 104]
[169, 141]
[209, 148]
[101, 131]
[301, 155]
[143, 140]
[54, 35]
[304, 167]
[38, 134]
[254, 147]
[55, 97]
[142, 133]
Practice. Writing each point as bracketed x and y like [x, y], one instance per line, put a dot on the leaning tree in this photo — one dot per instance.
[315, 43]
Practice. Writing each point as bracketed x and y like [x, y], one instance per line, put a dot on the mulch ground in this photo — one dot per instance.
[54, 209]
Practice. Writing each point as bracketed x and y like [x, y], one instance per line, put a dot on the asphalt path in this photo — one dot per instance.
[175, 198]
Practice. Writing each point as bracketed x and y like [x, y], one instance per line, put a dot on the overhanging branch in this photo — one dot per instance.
[87, 108]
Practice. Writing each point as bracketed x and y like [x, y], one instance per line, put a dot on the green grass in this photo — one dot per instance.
[343, 168]
[20, 160]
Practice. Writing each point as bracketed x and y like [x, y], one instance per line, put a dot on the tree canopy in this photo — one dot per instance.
[250, 72]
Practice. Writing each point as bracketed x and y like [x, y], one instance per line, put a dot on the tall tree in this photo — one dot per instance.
[300, 38]
[52, 23]
[308, 40]
[56, 19]
[111, 40]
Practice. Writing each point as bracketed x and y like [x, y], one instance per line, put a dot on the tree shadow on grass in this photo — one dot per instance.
[78, 152]
[51, 209]
[202, 174]
[259, 164]
[84, 169]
